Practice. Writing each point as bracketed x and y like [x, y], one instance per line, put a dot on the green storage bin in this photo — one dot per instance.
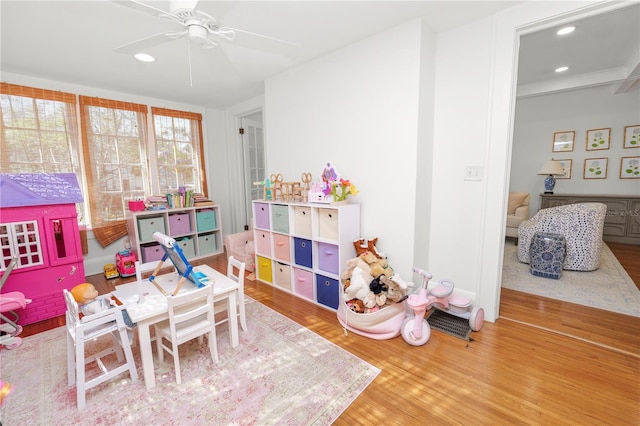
[187, 246]
[207, 244]
[148, 225]
[206, 220]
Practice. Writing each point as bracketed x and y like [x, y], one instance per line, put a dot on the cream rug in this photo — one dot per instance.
[280, 374]
[608, 287]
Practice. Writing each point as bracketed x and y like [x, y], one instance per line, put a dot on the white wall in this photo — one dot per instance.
[537, 118]
[461, 105]
[357, 108]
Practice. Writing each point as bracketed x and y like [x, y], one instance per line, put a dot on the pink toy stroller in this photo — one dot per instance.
[9, 302]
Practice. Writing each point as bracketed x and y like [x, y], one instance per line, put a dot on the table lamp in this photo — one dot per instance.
[551, 168]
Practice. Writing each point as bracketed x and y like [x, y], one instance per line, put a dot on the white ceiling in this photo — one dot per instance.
[74, 42]
[603, 49]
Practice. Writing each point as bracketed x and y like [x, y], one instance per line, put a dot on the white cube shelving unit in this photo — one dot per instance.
[303, 247]
[197, 230]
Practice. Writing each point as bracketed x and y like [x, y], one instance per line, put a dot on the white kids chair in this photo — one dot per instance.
[90, 327]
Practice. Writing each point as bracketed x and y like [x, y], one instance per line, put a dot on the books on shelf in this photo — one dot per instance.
[188, 198]
[201, 200]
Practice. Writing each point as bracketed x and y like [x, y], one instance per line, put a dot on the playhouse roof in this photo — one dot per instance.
[36, 189]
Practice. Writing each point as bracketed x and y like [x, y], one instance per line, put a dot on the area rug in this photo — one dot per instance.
[281, 373]
[609, 287]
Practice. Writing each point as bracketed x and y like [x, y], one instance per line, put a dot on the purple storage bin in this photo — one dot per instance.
[179, 224]
[151, 252]
[328, 259]
[262, 215]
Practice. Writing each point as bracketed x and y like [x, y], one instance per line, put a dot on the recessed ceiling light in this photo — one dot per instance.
[143, 57]
[562, 69]
[565, 30]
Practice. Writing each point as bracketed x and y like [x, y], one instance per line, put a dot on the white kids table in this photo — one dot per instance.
[152, 307]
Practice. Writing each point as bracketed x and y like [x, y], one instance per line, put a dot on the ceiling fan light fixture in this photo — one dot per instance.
[144, 57]
[566, 30]
[198, 34]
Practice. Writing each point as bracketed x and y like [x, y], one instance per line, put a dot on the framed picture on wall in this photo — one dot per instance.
[566, 166]
[598, 139]
[632, 136]
[630, 168]
[595, 168]
[563, 141]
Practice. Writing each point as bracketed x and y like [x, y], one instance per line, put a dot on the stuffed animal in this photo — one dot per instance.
[356, 305]
[377, 286]
[361, 245]
[397, 288]
[351, 264]
[378, 266]
[359, 287]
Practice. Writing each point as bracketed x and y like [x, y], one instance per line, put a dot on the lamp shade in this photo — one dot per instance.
[551, 167]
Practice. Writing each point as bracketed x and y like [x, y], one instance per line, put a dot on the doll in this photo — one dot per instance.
[87, 297]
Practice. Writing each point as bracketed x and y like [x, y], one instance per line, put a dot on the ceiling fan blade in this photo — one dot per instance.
[176, 34]
[148, 9]
[227, 29]
[144, 43]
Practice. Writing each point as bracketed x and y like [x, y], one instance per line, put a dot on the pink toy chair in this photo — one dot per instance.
[9, 302]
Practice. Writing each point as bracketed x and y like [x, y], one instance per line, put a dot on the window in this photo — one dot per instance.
[114, 139]
[112, 152]
[39, 131]
[179, 152]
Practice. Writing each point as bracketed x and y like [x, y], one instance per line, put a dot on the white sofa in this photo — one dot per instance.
[580, 224]
[517, 211]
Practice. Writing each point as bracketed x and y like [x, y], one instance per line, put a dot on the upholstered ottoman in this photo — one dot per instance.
[547, 252]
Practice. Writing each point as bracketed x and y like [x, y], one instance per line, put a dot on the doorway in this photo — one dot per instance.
[253, 161]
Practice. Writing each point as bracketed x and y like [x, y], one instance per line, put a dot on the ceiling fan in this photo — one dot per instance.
[198, 27]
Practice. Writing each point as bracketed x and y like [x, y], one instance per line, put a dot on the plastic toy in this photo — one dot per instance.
[110, 271]
[87, 297]
[416, 331]
[126, 263]
[9, 303]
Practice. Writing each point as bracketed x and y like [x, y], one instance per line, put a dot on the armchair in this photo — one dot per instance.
[580, 224]
[517, 212]
[240, 246]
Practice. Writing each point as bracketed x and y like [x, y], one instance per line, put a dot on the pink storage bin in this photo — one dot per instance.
[263, 243]
[281, 247]
[303, 284]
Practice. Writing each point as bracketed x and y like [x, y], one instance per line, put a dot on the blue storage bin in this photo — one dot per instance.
[303, 252]
[206, 220]
[327, 291]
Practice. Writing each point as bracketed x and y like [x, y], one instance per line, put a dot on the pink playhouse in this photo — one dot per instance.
[39, 227]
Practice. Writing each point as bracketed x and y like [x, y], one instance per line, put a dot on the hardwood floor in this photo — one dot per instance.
[541, 362]
[629, 257]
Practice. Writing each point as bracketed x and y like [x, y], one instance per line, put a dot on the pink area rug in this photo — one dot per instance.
[281, 373]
